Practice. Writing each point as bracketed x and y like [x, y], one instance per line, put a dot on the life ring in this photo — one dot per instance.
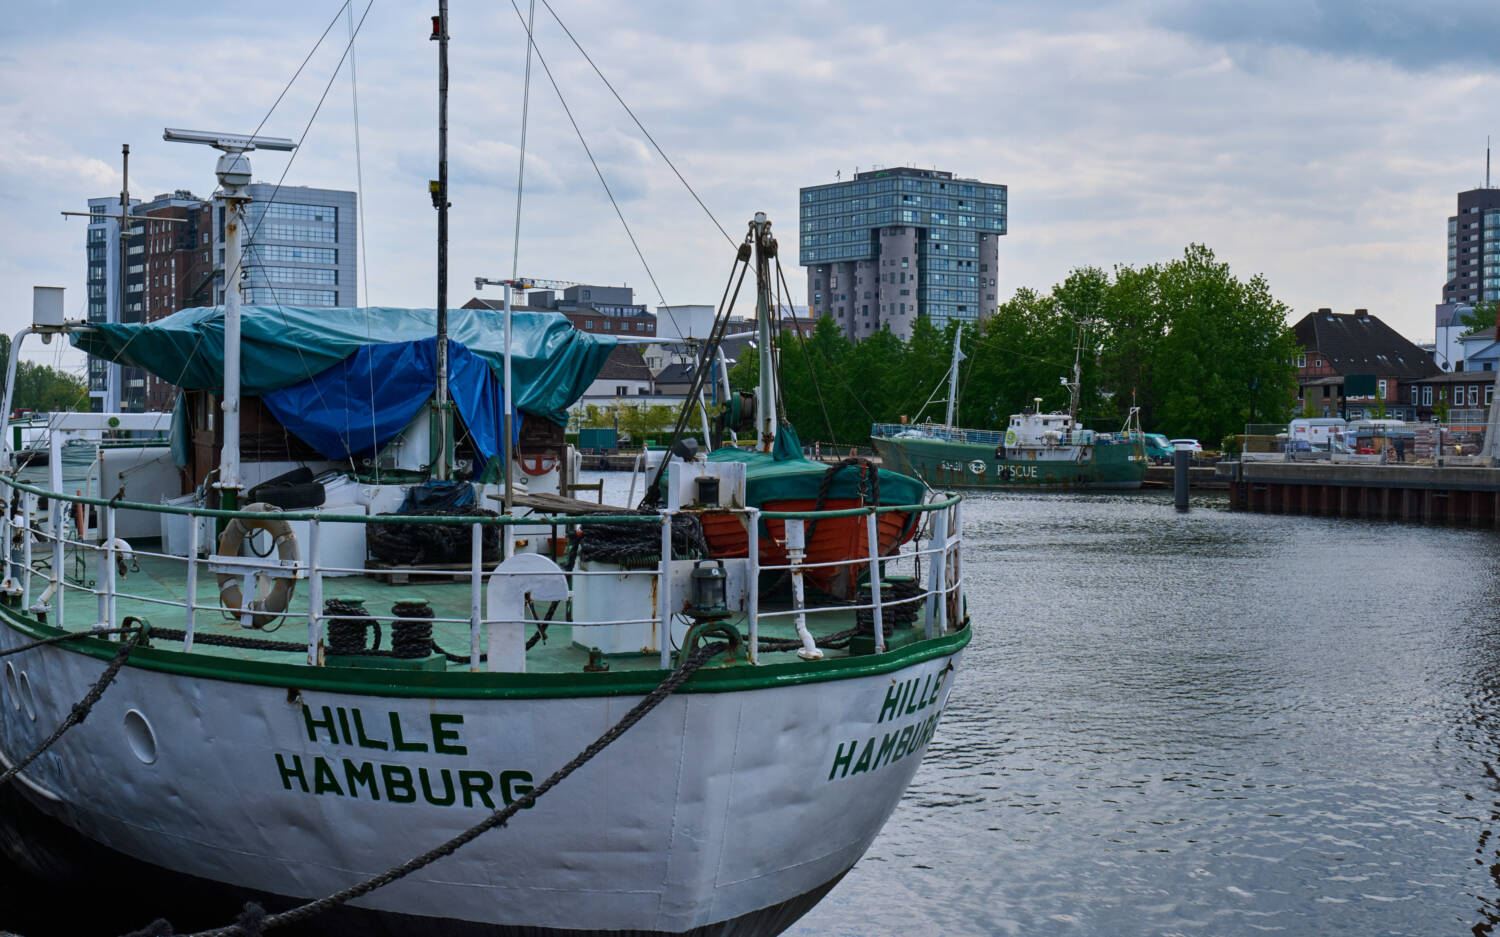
[537, 464]
[271, 599]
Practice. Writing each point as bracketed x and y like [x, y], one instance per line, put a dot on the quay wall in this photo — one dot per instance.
[1465, 495]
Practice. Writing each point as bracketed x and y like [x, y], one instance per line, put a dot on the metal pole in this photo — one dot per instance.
[229, 457]
[441, 197]
[1180, 457]
[476, 573]
[752, 600]
[112, 371]
[7, 447]
[506, 420]
[314, 595]
[765, 402]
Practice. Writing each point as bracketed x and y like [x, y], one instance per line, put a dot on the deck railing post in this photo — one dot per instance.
[664, 591]
[55, 521]
[476, 581]
[195, 532]
[752, 601]
[796, 546]
[28, 516]
[877, 613]
[108, 578]
[7, 537]
[937, 596]
[314, 595]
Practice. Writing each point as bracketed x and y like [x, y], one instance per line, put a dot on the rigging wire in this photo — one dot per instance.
[515, 253]
[802, 343]
[274, 104]
[359, 195]
[833, 368]
[275, 299]
[598, 172]
[638, 123]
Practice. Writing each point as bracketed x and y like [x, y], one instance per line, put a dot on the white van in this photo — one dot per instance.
[1313, 432]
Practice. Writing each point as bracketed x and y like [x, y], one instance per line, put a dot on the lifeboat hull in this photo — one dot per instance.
[834, 538]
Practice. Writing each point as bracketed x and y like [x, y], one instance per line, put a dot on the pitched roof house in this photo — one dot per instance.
[1358, 351]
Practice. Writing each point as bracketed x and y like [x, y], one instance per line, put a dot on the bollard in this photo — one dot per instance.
[1180, 459]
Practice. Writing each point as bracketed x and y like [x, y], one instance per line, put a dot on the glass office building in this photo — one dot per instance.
[893, 244]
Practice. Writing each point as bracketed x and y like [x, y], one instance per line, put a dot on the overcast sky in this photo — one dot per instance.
[1318, 143]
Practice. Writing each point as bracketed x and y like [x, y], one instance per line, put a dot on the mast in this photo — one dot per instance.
[765, 398]
[112, 373]
[439, 191]
[1076, 385]
[953, 377]
[233, 170]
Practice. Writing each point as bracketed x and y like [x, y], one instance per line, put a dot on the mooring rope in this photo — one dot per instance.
[253, 920]
[58, 639]
[81, 709]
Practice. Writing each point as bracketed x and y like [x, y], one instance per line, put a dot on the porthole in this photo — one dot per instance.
[28, 699]
[141, 738]
[13, 689]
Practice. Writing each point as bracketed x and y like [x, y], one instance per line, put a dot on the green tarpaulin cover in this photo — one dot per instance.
[552, 363]
[784, 473]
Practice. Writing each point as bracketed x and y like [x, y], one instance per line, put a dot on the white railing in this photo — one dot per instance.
[28, 542]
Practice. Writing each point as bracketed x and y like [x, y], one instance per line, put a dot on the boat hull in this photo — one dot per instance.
[729, 809]
[945, 464]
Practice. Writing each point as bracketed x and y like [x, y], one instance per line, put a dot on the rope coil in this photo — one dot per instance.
[348, 635]
[411, 629]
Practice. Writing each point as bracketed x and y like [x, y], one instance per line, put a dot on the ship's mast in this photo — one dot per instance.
[1077, 382]
[439, 190]
[765, 398]
[233, 170]
[953, 377]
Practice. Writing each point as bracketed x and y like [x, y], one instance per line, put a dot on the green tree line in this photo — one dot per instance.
[1194, 347]
[43, 388]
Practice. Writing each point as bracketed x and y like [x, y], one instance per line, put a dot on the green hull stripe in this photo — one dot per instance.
[464, 685]
[1110, 466]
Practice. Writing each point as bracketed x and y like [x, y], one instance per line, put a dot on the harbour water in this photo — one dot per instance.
[1210, 723]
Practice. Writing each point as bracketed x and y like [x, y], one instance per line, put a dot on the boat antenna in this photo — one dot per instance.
[234, 175]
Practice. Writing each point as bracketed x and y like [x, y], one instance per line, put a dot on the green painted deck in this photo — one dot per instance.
[155, 588]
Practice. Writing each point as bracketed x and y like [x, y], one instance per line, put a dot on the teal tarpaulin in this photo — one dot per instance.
[552, 363]
[785, 474]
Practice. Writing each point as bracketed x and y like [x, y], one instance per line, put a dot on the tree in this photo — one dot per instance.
[43, 388]
[1480, 319]
[1200, 344]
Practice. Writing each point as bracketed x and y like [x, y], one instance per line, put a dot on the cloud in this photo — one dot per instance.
[1318, 143]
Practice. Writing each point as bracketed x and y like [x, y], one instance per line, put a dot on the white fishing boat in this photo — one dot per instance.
[326, 707]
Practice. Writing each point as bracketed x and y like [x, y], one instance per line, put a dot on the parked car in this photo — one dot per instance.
[1158, 450]
[1192, 445]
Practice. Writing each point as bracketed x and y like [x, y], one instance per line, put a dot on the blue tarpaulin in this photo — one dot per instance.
[362, 402]
[553, 363]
